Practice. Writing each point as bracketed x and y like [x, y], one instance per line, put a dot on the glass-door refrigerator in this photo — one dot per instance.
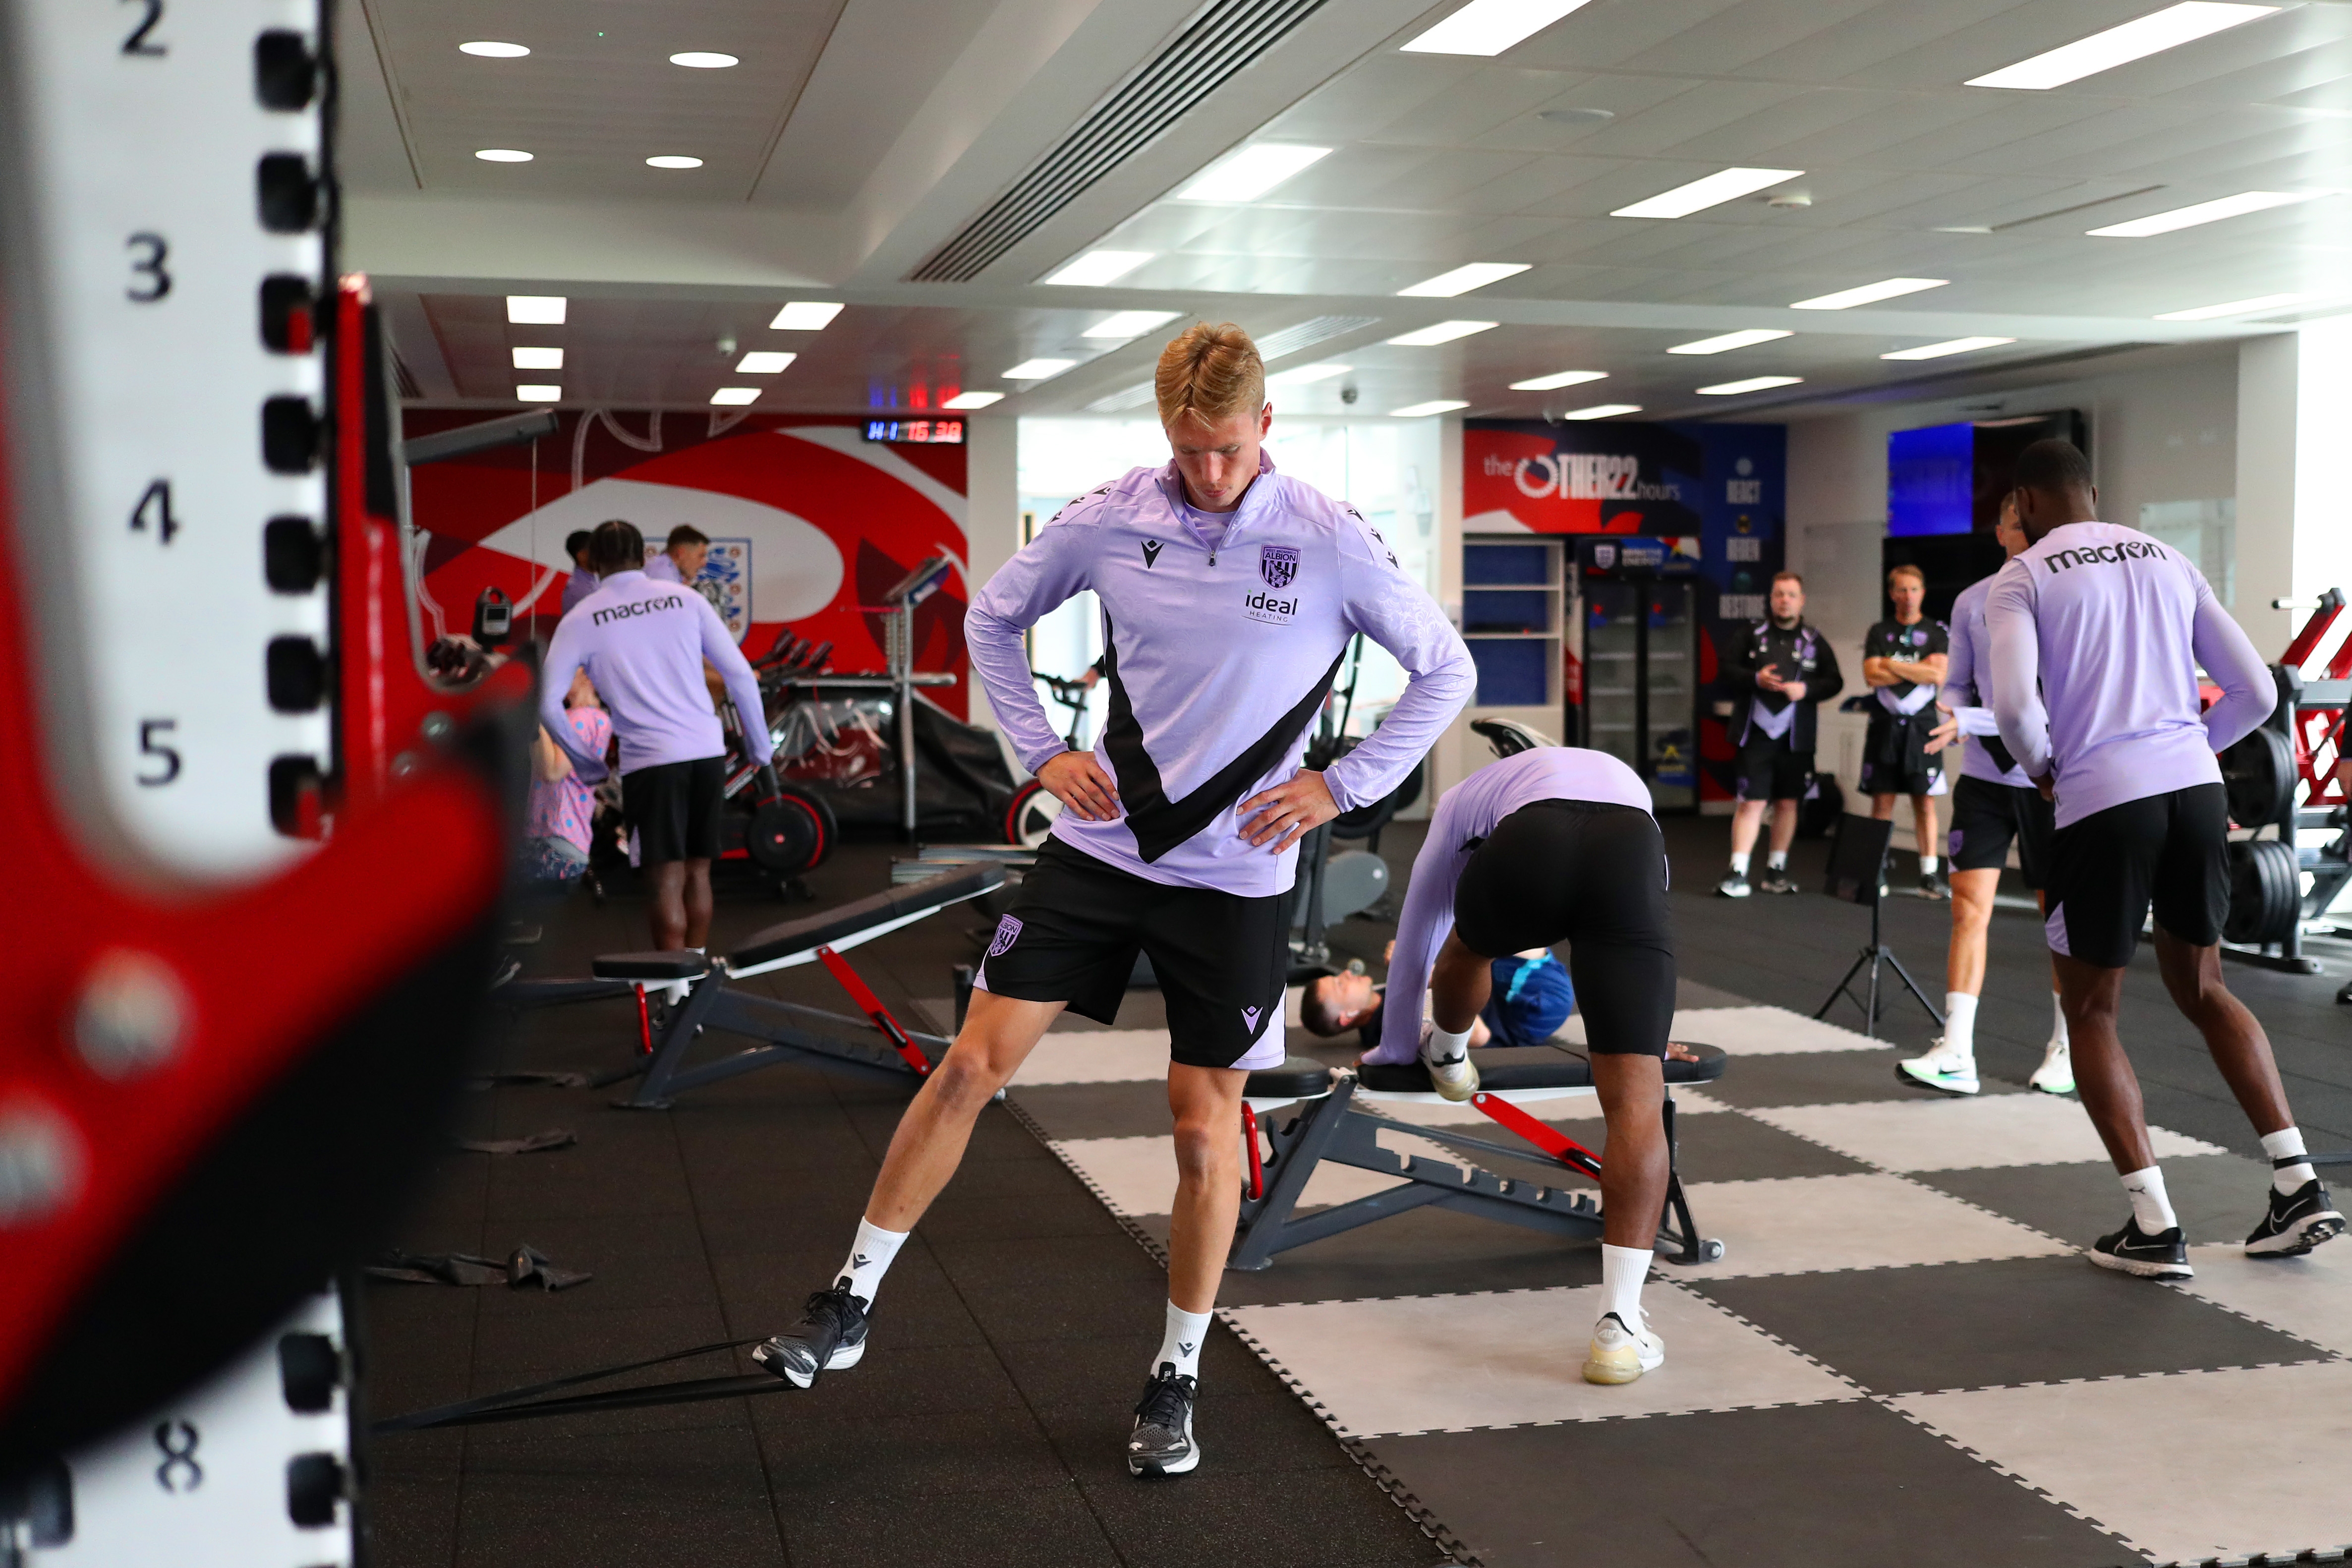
[1638, 665]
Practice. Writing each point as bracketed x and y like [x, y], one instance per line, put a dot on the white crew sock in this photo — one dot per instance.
[1778, 860]
[1443, 1046]
[1180, 1345]
[2286, 1143]
[869, 1259]
[1926, 865]
[2149, 1205]
[1960, 1024]
[2058, 1027]
[1740, 865]
[1622, 1269]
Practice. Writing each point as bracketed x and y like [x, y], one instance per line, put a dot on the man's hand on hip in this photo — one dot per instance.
[1078, 782]
[1287, 811]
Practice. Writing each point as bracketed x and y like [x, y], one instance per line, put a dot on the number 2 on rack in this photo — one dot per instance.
[137, 44]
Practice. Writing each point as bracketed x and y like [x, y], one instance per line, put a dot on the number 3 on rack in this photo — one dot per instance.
[154, 282]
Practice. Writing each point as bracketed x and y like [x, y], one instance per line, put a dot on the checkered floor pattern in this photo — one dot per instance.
[1901, 1358]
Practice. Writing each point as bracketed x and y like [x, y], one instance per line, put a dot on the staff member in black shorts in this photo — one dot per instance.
[1903, 662]
[1780, 675]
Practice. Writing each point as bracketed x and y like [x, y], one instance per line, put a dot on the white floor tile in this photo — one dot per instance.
[2198, 1465]
[1427, 1362]
[1963, 1134]
[1803, 1225]
[1097, 1056]
[1138, 1175]
[2310, 1297]
[1752, 1031]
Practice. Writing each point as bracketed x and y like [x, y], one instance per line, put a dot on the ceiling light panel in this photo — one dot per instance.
[1307, 374]
[1443, 333]
[538, 359]
[1949, 346]
[805, 316]
[704, 60]
[1126, 325]
[1753, 383]
[1423, 410]
[1723, 186]
[1462, 279]
[2239, 206]
[1038, 368]
[2149, 35]
[1602, 411]
[966, 400]
[1490, 26]
[1251, 172]
[2235, 307]
[532, 393]
[491, 49]
[672, 161]
[1729, 341]
[1869, 293]
[503, 155]
[535, 309]
[735, 397]
[1098, 268]
[763, 362]
[1558, 379]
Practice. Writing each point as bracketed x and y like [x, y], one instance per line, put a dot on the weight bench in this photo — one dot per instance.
[788, 1032]
[1339, 1123]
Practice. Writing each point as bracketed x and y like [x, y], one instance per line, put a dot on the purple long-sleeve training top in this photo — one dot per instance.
[1967, 682]
[2098, 632]
[1465, 816]
[642, 644]
[1218, 652]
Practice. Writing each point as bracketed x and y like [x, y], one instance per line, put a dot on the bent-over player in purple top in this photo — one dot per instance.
[1229, 593]
[2098, 632]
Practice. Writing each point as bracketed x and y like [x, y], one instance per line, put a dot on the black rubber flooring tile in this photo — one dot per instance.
[1048, 1525]
[1716, 1147]
[695, 1496]
[1868, 1489]
[639, 1260]
[1056, 1372]
[412, 1518]
[1300, 1519]
[1422, 1252]
[2218, 1197]
[1823, 1078]
[1014, 1201]
[1244, 1434]
[1054, 1288]
[995, 1136]
[1969, 1325]
[1132, 1110]
[635, 1171]
[897, 1378]
[814, 1456]
[918, 1304]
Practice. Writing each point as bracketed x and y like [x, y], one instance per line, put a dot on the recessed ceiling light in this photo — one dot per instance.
[1753, 383]
[1559, 378]
[763, 362]
[1422, 410]
[672, 161]
[1096, 267]
[2149, 34]
[1577, 116]
[1723, 186]
[539, 358]
[2244, 202]
[1868, 293]
[1602, 411]
[528, 394]
[973, 400]
[1949, 346]
[1038, 368]
[1250, 173]
[1127, 324]
[491, 49]
[1462, 279]
[1730, 341]
[1307, 374]
[702, 60]
[1490, 26]
[503, 155]
[1443, 333]
[2234, 308]
[735, 397]
[535, 309]
[804, 316]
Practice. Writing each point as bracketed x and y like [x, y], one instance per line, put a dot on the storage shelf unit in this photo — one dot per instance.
[1513, 618]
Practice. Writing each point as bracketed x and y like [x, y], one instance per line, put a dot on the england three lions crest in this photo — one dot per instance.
[1278, 564]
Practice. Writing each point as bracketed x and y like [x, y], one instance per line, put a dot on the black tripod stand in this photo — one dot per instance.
[1858, 872]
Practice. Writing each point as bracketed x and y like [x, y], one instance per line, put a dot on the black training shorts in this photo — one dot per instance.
[1772, 769]
[2170, 852]
[674, 809]
[1593, 875]
[1988, 816]
[1221, 958]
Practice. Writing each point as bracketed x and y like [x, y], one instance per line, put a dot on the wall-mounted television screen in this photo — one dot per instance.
[1950, 478]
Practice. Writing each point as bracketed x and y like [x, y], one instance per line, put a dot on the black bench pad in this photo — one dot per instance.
[843, 920]
[1298, 1078]
[679, 965]
[1532, 1066]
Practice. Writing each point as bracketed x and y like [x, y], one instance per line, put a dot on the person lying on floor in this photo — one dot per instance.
[1549, 846]
[1531, 999]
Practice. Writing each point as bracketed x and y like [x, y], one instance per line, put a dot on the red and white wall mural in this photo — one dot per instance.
[809, 523]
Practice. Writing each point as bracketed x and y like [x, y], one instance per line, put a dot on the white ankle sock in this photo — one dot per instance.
[1927, 865]
[869, 1257]
[1740, 865]
[2058, 1027]
[1622, 1269]
[1181, 1344]
[1442, 1046]
[2149, 1205]
[1960, 1024]
[2284, 1144]
[1776, 861]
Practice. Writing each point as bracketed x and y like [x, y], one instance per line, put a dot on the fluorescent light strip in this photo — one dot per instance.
[1423, 410]
[1098, 268]
[1490, 26]
[1462, 279]
[1560, 378]
[1730, 341]
[1038, 368]
[489, 49]
[704, 60]
[1949, 346]
[538, 359]
[528, 394]
[1602, 411]
[1753, 383]
[672, 161]
[1251, 172]
[535, 309]
[804, 316]
[1869, 293]
[2239, 206]
[503, 155]
[1443, 333]
[1307, 374]
[2234, 308]
[1723, 186]
[1128, 324]
[2149, 35]
[973, 400]
[735, 397]
[763, 362]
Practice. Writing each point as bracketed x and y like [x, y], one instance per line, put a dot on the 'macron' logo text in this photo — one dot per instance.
[2114, 554]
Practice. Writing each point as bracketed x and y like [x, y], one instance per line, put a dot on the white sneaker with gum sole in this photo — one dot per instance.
[1622, 1353]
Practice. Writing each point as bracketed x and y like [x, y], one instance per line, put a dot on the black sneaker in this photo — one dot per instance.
[830, 1337]
[1776, 879]
[2297, 1223]
[2132, 1250]
[1161, 1443]
[1929, 887]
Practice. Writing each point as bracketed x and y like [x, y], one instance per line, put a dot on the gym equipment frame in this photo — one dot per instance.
[1858, 874]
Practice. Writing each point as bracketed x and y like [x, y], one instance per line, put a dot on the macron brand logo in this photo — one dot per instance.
[1249, 1017]
[639, 607]
[2109, 555]
[1150, 553]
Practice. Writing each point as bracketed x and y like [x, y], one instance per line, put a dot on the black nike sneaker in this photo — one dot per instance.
[1776, 879]
[2296, 1223]
[830, 1337]
[2132, 1250]
[1161, 1443]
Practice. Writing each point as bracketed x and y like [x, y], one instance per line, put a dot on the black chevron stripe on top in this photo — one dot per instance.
[1158, 823]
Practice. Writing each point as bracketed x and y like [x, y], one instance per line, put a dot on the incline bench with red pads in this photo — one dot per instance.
[1338, 1124]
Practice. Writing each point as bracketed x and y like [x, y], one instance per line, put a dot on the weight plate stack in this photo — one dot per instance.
[2258, 777]
[2265, 891]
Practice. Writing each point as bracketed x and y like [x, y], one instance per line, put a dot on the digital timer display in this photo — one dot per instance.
[917, 432]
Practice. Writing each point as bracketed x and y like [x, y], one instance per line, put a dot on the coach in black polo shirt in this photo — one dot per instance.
[1778, 674]
[1902, 663]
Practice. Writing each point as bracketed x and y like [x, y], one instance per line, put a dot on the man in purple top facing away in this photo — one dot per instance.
[2098, 632]
[1229, 595]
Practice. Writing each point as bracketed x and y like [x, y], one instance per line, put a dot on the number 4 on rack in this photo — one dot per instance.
[154, 509]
